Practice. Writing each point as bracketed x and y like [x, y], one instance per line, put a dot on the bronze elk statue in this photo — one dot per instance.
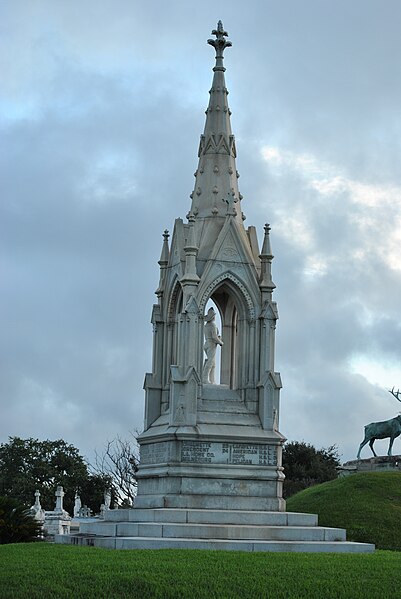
[382, 430]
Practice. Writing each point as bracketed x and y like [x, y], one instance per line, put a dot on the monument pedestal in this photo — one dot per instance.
[226, 461]
[373, 464]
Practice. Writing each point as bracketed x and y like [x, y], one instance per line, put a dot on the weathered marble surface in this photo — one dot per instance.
[227, 530]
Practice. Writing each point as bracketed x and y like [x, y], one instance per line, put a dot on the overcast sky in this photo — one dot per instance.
[102, 104]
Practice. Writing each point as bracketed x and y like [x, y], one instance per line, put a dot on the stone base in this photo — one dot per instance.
[56, 523]
[373, 464]
[211, 502]
[225, 461]
[230, 530]
[213, 484]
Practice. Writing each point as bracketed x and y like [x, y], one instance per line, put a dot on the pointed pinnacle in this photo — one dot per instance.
[266, 248]
[165, 253]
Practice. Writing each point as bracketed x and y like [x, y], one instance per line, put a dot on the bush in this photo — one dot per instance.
[305, 466]
[17, 524]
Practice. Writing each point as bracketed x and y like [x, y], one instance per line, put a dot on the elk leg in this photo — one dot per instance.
[371, 447]
[360, 447]
[390, 446]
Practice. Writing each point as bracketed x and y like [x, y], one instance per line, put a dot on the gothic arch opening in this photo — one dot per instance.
[233, 309]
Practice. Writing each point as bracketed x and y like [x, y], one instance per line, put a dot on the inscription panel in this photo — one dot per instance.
[155, 453]
[254, 454]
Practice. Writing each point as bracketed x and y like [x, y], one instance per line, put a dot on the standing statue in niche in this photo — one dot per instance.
[212, 340]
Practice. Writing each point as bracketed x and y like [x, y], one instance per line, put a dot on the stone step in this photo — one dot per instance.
[217, 544]
[227, 418]
[219, 393]
[224, 529]
[233, 406]
[167, 515]
[214, 531]
[102, 528]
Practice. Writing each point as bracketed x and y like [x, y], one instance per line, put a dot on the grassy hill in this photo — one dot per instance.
[367, 505]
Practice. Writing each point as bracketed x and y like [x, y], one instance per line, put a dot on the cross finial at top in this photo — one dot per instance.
[219, 44]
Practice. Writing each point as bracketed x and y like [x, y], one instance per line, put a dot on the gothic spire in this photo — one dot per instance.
[216, 176]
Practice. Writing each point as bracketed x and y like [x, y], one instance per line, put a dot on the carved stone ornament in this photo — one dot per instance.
[191, 306]
[230, 252]
[211, 288]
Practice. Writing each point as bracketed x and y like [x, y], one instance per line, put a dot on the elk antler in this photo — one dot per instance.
[395, 393]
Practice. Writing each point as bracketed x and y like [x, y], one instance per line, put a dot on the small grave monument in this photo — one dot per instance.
[58, 521]
[37, 510]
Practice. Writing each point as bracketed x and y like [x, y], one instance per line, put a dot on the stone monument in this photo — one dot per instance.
[58, 521]
[36, 509]
[210, 473]
[206, 444]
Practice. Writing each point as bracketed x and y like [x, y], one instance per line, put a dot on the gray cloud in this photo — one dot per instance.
[101, 110]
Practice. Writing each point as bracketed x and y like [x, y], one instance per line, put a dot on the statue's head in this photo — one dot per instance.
[210, 315]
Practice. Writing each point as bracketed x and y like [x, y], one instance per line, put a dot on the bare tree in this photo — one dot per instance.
[119, 461]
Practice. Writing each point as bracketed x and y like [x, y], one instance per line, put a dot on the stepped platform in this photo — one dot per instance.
[229, 530]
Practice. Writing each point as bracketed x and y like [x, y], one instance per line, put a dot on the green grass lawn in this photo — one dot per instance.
[41, 570]
[368, 506]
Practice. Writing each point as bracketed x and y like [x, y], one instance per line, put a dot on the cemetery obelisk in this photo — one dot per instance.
[213, 441]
